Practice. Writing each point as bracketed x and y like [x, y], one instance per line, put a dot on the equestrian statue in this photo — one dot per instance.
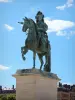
[37, 40]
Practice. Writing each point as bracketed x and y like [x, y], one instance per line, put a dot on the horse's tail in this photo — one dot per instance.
[49, 57]
[49, 63]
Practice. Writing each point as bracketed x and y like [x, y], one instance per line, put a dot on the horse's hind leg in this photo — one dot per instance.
[47, 66]
[41, 60]
[24, 50]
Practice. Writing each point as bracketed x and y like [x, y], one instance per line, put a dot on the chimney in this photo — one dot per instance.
[13, 87]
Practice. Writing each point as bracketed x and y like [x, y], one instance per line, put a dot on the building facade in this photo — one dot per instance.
[64, 92]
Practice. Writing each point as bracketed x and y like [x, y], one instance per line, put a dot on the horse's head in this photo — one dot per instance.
[31, 26]
[26, 24]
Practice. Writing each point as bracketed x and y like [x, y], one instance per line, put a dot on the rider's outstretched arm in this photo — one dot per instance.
[20, 22]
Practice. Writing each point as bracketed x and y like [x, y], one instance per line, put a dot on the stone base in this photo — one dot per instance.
[35, 85]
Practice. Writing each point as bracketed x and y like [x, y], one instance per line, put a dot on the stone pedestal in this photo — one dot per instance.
[31, 84]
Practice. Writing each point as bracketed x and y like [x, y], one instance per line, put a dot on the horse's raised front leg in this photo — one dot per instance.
[24, 50]
[41, 60]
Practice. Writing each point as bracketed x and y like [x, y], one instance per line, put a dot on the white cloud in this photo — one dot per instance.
[68, 4]
[61, 7]
[69, 34]
[5, 1]
[66, 34]
[3, 67]
[61, 33]
[58, 25]
[8, 27]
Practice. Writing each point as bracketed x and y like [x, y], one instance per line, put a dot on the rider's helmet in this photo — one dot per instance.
[39, 13]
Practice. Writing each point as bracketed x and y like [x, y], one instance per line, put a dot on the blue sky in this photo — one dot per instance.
[60, 18]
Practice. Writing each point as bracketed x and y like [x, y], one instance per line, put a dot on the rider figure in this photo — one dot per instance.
[41, 28]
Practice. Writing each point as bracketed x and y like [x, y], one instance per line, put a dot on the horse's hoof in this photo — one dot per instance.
[24, 58]
[33, 67]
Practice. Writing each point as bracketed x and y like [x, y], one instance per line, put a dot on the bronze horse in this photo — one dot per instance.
[32, 42]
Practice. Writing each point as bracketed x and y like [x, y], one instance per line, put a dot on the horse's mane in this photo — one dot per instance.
[35, 26]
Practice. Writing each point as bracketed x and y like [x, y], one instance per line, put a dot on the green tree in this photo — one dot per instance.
[11, 98]
[4, 97]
